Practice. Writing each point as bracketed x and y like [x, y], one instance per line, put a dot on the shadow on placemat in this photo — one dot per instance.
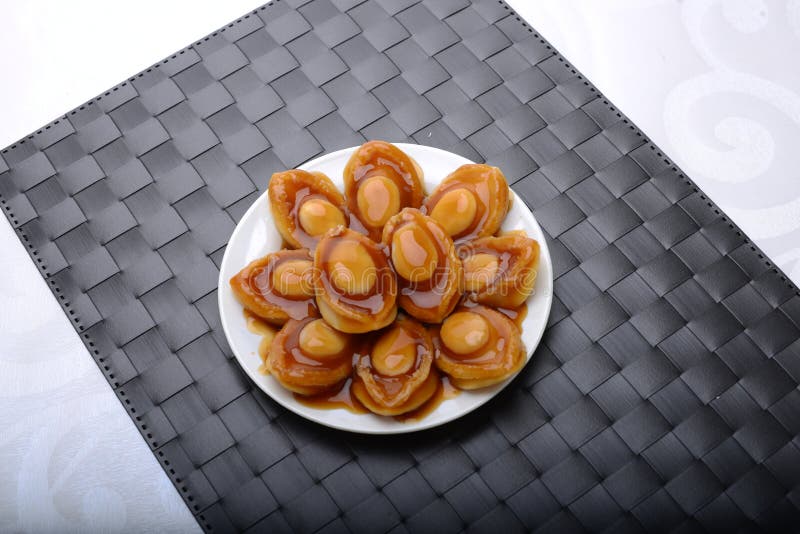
[664, 395]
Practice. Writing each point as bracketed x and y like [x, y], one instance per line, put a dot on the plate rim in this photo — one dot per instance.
[422, 424]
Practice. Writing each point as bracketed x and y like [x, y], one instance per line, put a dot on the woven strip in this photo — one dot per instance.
[664, 395]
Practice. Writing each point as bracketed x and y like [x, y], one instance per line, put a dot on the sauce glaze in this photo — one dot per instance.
[428, 298]
[289, 190]
[488, 187]
[254, 287]
[374, 163]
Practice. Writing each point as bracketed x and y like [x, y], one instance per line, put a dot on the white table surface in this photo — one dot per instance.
[707, 80]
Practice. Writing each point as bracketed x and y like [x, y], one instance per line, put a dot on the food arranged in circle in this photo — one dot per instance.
[385, 300]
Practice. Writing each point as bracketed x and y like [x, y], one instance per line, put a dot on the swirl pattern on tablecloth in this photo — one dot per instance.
[69, 449]
[741, 157]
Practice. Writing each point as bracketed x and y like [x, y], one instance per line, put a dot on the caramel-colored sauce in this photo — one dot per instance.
[371, 301]
[260, 327]
[337, 399]
[389, 386]
[427, 243]
[374, 205]
[298, 359]
[303, 372]
[491, 351]
[476, 180]
[254, 287]
[519, 233]
[516, 314]
[263, 349]
[444, 391]
[504, 257]
[355, 224]
[351, 372]
[513, 260]
[297, 308]
[378, 198]
[414, 253]
[290, 190]
[256, 324]
[343, 399]
[395, 353]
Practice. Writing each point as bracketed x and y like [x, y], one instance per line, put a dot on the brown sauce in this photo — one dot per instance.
[377, 158]
[502, 233]
[505, 258]
[263, 351]
[341, 398]
[427, 295]
[253, 287]
[297, 361]
[304, 195]
[516, 314]
[356, 225]
[296, 187]
[444, 390]
[260, 327]
[295, 308]
[473, 178]
[256, 324]
[390, 386]
[410, 336]
[490, 352]
[372, 302]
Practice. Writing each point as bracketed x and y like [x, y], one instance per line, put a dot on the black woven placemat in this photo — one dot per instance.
[664, 395]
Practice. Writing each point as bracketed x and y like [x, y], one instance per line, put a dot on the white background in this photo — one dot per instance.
[713, 82]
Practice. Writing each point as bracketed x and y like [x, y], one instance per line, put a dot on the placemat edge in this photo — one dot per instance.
[673, 166]
[65, 305]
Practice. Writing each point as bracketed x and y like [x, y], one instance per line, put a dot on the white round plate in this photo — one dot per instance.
[256, 236]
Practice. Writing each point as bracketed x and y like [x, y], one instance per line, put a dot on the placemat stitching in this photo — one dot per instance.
[561, 59]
